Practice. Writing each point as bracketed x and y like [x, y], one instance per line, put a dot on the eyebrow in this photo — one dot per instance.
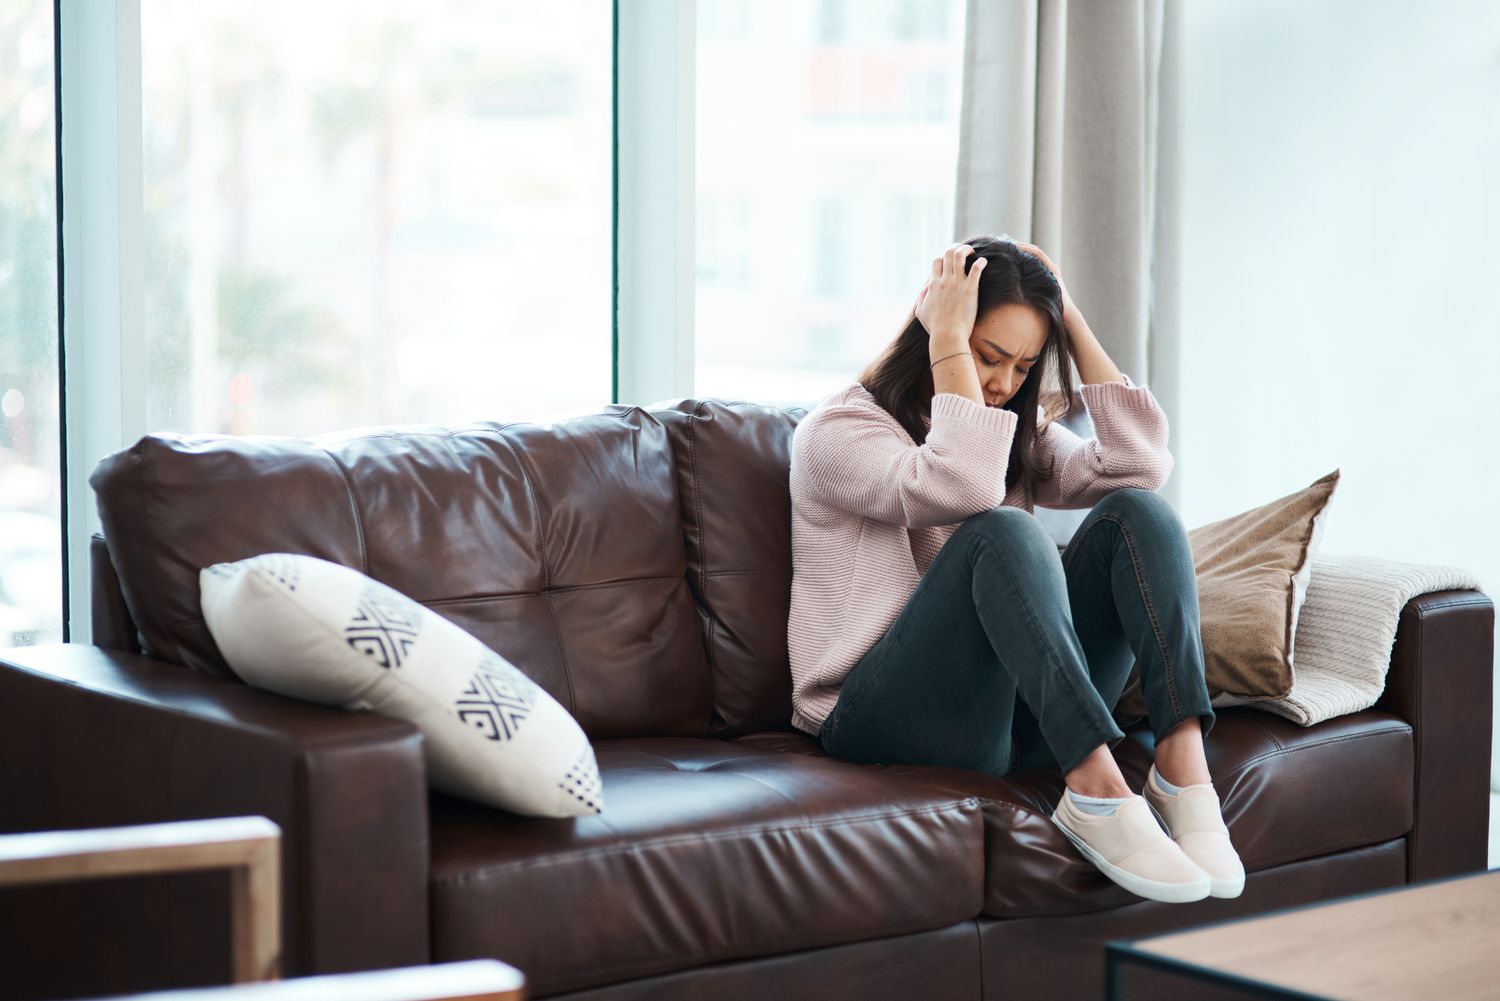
[1007, 353]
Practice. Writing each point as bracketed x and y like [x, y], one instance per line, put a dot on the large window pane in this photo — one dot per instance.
[827, 144]
[375, 211]
[30, 499]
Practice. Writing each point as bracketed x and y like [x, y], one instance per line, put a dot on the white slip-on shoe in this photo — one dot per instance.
[1130, 848]
[1194, 820]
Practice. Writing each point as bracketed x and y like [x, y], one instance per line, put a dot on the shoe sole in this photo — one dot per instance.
[1151, 889]
[1216, 887]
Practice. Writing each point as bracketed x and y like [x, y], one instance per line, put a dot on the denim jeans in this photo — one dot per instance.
[1011, 656]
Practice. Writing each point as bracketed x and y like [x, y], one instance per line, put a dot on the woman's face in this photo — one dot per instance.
[1006, 342]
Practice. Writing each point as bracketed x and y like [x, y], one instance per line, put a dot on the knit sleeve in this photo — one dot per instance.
[857, 461]
[1129, 448]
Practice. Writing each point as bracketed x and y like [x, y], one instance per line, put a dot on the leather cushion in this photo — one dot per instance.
[732, 461]
[709, 850]
[513, 532]
[1288, 793]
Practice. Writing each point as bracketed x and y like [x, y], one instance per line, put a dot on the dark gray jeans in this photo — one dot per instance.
[1010, 656]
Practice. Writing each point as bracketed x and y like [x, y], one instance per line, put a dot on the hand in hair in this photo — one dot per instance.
[1069, 309]
[947, 304]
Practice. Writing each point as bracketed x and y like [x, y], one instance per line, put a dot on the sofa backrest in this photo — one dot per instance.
[636, 563]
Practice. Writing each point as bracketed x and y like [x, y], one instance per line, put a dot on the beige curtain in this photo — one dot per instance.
[1068, 140]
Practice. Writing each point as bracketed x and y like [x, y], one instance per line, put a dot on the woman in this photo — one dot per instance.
[933, 620]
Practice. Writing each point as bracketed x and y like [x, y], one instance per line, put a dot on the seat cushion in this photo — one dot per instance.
[708, 850]
[1288, 793]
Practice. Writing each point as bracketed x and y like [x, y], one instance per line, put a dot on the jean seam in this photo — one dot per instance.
[1038, 631]
[1156, 630]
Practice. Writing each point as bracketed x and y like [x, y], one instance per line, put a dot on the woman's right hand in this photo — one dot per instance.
[947, 304]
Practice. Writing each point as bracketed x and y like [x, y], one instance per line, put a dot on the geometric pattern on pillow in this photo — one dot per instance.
[381, 629]
[316, 630]
[497, 699]
[581, 781]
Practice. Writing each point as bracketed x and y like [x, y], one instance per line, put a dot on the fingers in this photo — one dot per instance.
[1032, 248]
[952, 260]
[956, 255]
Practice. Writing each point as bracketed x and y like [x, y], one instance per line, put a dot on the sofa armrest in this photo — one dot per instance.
[1440, 681]
[91, 737]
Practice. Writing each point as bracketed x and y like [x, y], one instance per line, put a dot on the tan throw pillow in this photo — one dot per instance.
[1252, 571]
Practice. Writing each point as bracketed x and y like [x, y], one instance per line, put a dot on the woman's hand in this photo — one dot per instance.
[947, 304]
[1093, 363]
[1070, 311]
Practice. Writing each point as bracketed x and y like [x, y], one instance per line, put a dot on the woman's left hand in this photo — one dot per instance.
[1070, 310]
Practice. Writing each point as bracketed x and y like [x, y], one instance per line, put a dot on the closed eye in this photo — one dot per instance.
[1023, 371]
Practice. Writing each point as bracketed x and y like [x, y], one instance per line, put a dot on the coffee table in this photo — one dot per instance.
[1434, 939]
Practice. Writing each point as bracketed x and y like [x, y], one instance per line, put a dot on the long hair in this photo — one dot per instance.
[900, 379]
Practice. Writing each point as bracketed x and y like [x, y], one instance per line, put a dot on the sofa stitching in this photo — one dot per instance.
[1309, 852]
[359, 522]
[762, 782]
[629, 582]
[541, 549]
[1405, 730]
[708, 649]
[1423, 608]
[725, 573]
[541, 525]
[485, 872]
[197, 620]
[562, 652]
[1254, 725]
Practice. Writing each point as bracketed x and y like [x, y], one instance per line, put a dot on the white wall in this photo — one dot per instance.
[1341, 284]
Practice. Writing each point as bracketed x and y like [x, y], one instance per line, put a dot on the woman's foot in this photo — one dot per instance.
[1194, 821]
[1130, 848]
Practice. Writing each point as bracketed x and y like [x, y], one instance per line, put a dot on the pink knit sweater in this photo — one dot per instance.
[871, 508]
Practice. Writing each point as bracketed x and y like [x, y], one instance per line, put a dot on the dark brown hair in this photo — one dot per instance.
[900, 379]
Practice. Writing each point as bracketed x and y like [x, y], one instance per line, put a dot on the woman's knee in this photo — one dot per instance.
[1138, 504]
[1008, 526]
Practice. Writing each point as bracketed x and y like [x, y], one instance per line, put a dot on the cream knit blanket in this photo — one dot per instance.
[1346, 630]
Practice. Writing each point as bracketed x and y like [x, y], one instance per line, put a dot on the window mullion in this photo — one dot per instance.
[657, 195]
[103, 310]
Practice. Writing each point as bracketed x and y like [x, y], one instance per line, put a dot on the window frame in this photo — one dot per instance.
[97, 48]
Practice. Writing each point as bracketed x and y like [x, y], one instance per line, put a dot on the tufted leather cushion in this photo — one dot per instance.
[559, 546]
[709, 850]
[732, 463]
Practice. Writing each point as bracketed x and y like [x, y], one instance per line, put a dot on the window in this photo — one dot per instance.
[375, 212]
[30, 466]
[838, 124]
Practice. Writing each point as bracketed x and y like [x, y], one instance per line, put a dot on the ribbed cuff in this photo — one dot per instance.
[952, 406]
[1117, 396]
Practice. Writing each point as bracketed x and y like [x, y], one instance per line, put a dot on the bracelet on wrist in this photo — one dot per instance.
[946, 357]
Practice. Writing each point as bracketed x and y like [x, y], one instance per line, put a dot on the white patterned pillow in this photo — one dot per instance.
[319, 631]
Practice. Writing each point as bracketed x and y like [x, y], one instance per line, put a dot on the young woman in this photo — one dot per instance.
[933, 620]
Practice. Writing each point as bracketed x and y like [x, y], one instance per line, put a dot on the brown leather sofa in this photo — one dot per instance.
[636, 563]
